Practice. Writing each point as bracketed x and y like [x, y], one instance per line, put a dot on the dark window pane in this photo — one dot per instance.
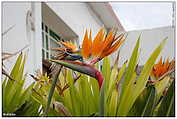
[47, 54]
[54, 35]
[42, 26]
[46, 29]
[47, 45]
[43, 54]
[43, 40]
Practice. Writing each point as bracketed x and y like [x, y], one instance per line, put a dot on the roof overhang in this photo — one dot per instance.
[56, 23]
[105, 13]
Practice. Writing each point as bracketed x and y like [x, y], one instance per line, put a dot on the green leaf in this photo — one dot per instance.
[89, 101]
[127, 95]
[13, 89]
[113, 103]
[67, 100]
[167, 107]
[150, 102]
[122, 110]
[121, 72]
[17, 66]
[131, 66]
[14, 74]
[25, 95]
[74, 95]
[4, 94]
[17, 88]
[29, 108]
[112, 82]
[125, 105]
[144, 104]
[80, 94]
[106, 69]
[92, 105]
[95, 88]
[14, 96]
[161, 86]
[38, 97]
[101, 100]
[142, 80]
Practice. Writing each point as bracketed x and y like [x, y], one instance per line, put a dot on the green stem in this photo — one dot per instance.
[54, 81]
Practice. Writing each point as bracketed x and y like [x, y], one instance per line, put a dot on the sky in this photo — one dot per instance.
[143, 15]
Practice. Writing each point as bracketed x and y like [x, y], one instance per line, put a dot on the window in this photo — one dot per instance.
[49, 40]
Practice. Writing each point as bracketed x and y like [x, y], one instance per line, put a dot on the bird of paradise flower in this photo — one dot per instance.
[92, 52]
[162, 69]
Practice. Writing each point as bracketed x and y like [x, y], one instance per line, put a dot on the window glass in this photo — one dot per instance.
[42, 26]
[47, 55]
[46, 29]
[43, 53]
[53, 44]
[49, 40]
[43, 40]
[47, 43]
[54, 35]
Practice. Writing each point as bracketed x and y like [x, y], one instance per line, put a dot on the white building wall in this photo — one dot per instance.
[78, 16]
[15, 13]
[150, 39]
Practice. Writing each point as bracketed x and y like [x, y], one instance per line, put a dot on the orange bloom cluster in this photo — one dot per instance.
[102, 45]
[161, 68]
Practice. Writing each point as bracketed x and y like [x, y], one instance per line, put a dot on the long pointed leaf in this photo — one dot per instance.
[167, 107]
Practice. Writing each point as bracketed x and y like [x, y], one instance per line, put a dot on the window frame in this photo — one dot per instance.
[46, 40]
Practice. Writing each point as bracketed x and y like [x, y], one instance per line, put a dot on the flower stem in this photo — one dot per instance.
[52, 89]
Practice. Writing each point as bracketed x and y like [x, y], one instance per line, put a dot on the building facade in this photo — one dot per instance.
[38, 26]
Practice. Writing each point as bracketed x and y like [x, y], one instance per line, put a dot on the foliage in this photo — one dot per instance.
[15, 96]
[124, 93]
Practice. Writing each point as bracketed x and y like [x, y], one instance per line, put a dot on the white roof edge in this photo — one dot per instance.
[109, 7]
[106, 14]
[149, 29]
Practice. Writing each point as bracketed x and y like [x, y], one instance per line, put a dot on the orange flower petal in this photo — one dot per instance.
[166, 65]
[160, 68]
[69, 45]
[96, 46]
[108, 41]
[58, 49]
[113, 48]
[86, 46]
[118, 37]
[160, 62]
[113, 42]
